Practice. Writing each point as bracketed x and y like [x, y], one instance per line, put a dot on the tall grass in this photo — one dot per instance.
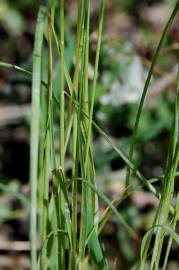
[34, 138]
[69, 228]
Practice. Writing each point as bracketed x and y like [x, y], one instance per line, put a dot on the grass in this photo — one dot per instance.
[67, 240]
[34, 137]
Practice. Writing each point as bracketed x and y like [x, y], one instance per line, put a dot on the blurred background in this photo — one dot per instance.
[132, 30]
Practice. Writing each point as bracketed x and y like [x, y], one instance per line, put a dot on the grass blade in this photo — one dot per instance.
[34, 134]
[146, 86]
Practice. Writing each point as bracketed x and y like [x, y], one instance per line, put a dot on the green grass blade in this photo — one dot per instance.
[146, 86]
[166, 228]
[168, 185]
[18, 195]
[7, 65]
[62, 84]
[111, 206]
[93, 243]
[75, 154]
[118, 151]
[34, 134]
[174, 222]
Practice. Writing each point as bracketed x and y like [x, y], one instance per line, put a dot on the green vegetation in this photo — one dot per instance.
[65, 204]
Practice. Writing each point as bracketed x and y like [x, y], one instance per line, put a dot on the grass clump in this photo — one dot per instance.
[69, 231]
